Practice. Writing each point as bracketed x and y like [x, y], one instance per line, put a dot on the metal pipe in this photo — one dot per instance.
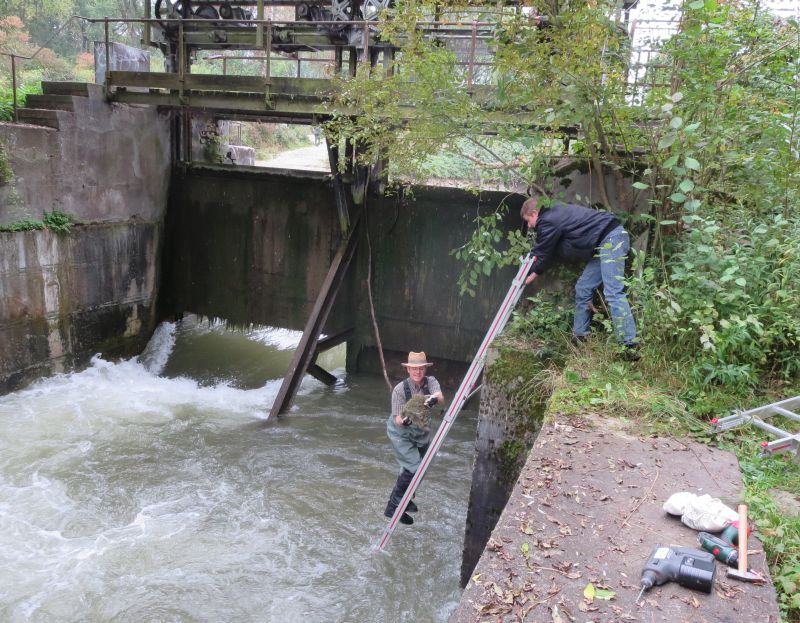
[366, 48]
[260, 26]
[269, 49]
[181, 63]
[147, 14]
[107, 74]
[471, 66]
[14, 86]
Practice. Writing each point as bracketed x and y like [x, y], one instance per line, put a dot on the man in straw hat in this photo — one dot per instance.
[408, 427]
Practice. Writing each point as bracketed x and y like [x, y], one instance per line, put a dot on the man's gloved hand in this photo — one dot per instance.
[430, 401]
[406, 421]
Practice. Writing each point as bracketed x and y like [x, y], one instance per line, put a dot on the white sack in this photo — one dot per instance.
[678, 502]
[708, 514]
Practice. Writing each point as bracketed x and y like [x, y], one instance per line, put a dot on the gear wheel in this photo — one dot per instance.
[165, 9]
[342, 10]
[372, 8]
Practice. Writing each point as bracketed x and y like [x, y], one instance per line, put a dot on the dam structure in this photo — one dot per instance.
[178, 255]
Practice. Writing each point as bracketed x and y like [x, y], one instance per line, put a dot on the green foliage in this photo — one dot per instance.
[725, 303]
[725, 178]
[593, 379]
[6, 172]
[24, 225]
[545, 318]
[482, 251]
[7, 99]
[779, 533]
[57, 221]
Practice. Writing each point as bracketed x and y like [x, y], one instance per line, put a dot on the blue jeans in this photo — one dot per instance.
[606, 268]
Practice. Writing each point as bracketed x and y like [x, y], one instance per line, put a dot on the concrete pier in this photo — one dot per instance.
[587, 508]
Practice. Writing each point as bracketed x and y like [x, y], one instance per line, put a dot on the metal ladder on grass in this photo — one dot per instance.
[785, 442]
[465, 391]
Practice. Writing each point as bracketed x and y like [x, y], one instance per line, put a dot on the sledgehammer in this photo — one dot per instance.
[743, 573]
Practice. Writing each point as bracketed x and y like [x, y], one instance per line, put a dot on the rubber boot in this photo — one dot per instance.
[403, 480]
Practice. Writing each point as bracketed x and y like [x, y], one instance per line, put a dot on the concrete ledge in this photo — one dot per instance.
[587, 507]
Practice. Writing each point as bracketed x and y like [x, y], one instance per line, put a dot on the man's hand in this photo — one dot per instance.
[530, 279]
[402, 421]
[430, 401]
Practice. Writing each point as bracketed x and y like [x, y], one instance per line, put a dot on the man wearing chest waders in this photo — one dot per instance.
[409, 427]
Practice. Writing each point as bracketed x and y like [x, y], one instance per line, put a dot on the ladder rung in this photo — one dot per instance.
[786, 413]
[778, 432]
[764, 411]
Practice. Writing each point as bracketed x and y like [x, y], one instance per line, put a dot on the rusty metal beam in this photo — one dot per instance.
[339, 190]
[299, 98]
[312, 87]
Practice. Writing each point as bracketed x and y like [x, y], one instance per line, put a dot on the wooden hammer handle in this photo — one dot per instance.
[743, 538]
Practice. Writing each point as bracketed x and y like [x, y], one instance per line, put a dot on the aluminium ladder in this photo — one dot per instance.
[785, 442]
[465, 391]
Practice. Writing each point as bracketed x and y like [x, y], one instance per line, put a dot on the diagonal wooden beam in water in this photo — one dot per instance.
[305, 357]
[306, 352]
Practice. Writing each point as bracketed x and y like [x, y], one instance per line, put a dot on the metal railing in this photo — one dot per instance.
[471, 41]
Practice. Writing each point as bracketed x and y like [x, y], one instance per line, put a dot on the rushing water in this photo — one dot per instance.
[153, 490]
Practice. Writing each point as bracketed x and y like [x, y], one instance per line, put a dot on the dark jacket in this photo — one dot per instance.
[568, 231]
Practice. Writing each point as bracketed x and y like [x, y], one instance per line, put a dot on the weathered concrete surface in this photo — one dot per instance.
[509, 419]
[251, 246]
[64, 298]
[587, 507]
[105, 163]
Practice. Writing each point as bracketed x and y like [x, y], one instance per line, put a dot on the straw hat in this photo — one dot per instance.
[416, 360]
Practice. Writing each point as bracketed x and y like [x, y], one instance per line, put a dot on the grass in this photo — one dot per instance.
[654, 395]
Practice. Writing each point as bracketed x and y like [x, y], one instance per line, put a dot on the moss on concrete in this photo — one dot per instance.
[6, 172]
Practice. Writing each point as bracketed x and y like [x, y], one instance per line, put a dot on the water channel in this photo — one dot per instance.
[153, 490]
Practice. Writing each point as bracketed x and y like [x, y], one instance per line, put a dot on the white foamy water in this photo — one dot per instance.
[129, 496]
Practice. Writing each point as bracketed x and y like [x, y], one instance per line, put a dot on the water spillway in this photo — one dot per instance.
[153, 489]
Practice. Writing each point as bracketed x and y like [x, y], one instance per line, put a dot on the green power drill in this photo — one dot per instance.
[692, 568]
[721, 549]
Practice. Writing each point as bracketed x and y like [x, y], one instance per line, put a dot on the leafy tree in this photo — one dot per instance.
[15, 38]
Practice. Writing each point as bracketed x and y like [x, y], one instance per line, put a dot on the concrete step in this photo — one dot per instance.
[37, 116]
[50, 102]
[66, 88]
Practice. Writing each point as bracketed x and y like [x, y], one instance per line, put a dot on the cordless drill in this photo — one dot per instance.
[692, 568]
[723, 550]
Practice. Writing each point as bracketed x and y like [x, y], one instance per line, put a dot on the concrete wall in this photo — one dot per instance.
[105, 163]
[64, 297]
[417, 300]
[250, 246]
[509, 419]
[253, 246]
